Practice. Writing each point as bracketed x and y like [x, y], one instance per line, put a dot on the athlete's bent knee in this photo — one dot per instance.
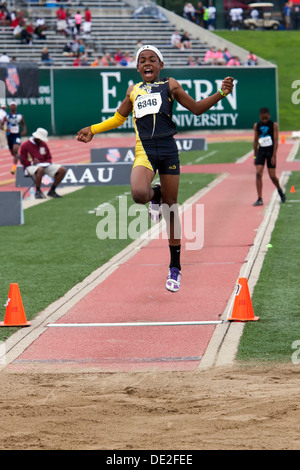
[140, 196]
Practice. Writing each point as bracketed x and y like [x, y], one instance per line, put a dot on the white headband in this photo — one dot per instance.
[149, 48]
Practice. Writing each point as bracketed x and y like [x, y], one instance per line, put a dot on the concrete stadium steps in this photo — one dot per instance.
[109, 33]
[99, 4]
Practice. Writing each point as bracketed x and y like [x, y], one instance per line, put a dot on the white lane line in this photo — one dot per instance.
[158, 323]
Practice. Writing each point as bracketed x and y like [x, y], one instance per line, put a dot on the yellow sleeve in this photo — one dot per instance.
[109, 124]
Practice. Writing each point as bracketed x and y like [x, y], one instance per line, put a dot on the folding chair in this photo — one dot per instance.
[32, 182]
[31, 185]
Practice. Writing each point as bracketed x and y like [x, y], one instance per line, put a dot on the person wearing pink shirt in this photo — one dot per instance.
[251, 59]
[210, 57]
[78, 19]
[234, 61]
[219, 58]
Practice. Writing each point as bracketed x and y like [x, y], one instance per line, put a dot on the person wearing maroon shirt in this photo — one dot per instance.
[87, 25]
[37, 161]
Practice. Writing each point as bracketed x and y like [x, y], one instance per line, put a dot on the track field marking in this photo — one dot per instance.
[111, 360]
[206, 156]
[159, 323]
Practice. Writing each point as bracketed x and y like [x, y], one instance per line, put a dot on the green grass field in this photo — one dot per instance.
[280, 48]
[276, 297]
[221, 152]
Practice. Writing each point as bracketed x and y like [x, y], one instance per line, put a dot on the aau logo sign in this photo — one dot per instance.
[12, 80]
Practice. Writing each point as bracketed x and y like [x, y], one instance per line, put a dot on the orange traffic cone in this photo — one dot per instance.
[242, 307]
[293, 190]
[283, 139]
[14, 314]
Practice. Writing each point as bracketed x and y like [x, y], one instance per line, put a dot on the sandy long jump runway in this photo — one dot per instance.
[129, 322]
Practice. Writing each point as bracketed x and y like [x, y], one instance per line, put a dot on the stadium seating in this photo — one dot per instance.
[113, 27]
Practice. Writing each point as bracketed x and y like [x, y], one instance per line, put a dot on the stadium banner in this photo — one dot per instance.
[21, 79]
[126, 154]
[72, 98]
[90, 174]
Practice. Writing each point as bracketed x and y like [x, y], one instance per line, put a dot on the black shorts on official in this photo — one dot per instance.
[160, 154]
[264, 155]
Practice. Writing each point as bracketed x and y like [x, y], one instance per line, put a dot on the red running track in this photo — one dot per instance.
[135, 291]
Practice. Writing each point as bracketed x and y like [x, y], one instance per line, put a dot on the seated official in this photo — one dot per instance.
[37, 161]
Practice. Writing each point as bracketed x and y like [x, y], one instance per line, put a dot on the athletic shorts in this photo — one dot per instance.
[13, 139]
[159, 154]
[264, 155]
[49, 170]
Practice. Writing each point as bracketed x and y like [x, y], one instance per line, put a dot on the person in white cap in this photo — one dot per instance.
[151, 102]
[14, 122]
[37, 161]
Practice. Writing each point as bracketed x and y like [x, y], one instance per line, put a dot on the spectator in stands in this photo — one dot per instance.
[67, 50]
[81, 46]
[199, 12]
[9, 17]
[209, 58]
[27, 34]
[198, 61]
[61, 24]
[189, 11]
[109, 59]
[219, 58]
[118, 56]
[191, 62]
[233, 62]
[17, 31]
[99, 62]
[77, 60]
[251, 59]
[78, 20]
[13, 19]
[4, 58]
[84, 59]
[17, 19]
[176, 40]
[70, 25]
[126, 61]
[226, 54]
[75, 47]
[3, 140]
[2, 16]
[45, 57]
[131, 62]
[36, 159]
[87, 25]
[14, 122]
[186, 40]
[40, 28]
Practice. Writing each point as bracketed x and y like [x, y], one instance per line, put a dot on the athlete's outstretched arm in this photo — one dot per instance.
[87, 133]
[199, 107]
